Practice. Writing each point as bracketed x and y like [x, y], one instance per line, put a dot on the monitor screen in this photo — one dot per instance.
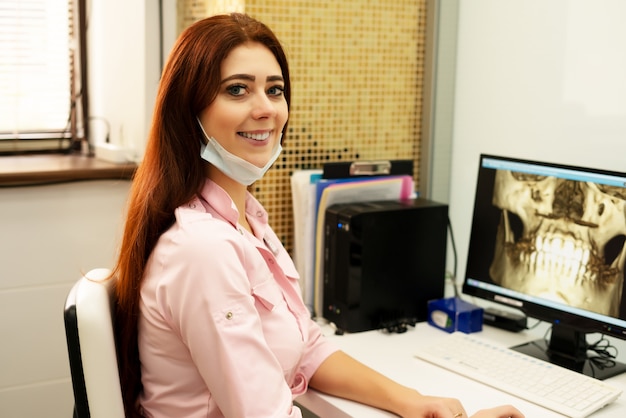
[549, 239]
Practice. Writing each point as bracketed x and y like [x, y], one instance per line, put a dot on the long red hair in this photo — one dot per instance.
[171, 171]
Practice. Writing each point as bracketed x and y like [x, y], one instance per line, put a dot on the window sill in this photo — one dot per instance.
[48, 169]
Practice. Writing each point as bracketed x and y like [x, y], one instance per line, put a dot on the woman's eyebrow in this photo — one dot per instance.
[251, 78]
[239, 77]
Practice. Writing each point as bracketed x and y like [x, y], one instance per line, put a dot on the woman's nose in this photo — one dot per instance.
[263, 107]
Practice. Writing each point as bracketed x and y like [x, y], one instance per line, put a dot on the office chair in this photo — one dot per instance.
[91, 347]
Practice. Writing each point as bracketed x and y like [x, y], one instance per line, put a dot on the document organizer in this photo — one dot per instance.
[383, 262]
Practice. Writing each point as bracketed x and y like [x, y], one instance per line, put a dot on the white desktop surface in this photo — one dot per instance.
[392, 355]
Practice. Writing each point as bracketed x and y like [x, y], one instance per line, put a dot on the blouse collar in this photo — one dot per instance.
[221, 203]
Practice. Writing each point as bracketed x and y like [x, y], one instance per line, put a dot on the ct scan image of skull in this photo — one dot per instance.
[560, 239]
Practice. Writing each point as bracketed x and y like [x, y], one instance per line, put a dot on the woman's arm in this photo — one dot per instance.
[342, 376]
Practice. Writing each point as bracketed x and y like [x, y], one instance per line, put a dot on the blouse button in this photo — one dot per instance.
[229, 315]
[192, 205]
[259, 214]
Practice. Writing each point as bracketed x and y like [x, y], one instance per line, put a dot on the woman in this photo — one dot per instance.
[209, 317]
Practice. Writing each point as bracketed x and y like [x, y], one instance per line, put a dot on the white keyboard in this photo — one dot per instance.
[557, 388]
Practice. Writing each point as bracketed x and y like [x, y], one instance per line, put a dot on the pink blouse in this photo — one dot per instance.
[223, 330]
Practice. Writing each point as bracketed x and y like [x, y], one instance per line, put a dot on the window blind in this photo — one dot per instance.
[37, 52]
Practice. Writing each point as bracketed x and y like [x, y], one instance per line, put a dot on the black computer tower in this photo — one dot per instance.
[383, 262]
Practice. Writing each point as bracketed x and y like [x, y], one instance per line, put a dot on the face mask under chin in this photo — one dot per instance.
[233, 166]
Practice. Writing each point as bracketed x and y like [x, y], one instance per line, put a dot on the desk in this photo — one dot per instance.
[392, 355]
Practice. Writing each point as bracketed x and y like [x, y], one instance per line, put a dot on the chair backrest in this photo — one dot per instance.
[91, 347]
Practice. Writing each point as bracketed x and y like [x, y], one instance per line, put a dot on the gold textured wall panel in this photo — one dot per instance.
[357, 70]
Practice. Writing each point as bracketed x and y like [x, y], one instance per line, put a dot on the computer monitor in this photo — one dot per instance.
[549, 239]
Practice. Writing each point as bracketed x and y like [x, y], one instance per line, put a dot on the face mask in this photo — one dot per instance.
[234, 167]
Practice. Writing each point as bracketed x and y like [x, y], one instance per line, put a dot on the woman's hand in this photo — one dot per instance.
[504, 411]
[421, 406]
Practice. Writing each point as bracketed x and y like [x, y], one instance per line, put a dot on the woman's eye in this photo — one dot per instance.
[276, 91]
[236, 90]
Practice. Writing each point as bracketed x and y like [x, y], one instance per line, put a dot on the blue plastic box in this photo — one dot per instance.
[454, 314]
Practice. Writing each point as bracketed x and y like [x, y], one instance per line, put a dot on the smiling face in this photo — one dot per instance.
[249, 112]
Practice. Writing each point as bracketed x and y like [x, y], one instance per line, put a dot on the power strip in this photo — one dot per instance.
[111, 153]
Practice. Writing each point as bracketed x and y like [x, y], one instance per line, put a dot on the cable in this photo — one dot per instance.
[107, 139]
[605, 353]
[454, 284]
[537, 322]
[398, 326]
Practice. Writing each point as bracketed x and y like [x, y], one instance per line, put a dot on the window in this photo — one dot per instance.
[42, 100]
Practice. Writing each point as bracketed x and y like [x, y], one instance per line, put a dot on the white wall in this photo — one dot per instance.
[437, 121]
[543, 80]
[125, 53]
[50, 234]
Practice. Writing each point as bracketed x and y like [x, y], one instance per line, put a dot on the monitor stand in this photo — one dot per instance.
[568, 348]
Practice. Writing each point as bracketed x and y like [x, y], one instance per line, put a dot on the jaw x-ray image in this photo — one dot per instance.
[560, 239]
